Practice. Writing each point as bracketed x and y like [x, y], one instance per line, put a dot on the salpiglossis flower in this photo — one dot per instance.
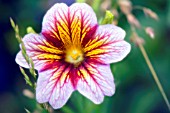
[73, 52]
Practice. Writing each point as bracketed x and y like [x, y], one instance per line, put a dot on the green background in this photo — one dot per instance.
[136, 91]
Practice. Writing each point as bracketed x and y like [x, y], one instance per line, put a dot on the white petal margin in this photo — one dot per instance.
[60, 11]
[36, 45]
[114, 46]
[84, 12]
[30, 41]
[56, 14]
[97, 82]
[53, 87]
[116, 33]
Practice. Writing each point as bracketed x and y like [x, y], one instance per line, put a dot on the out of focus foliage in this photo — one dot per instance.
[136, 91]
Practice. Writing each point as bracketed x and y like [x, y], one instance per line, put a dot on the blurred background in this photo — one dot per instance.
[136, 91]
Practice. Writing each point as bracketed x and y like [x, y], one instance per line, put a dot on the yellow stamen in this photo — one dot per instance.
[74, 55]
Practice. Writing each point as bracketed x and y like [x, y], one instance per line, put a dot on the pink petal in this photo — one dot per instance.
[84, 22]
[55, 23]
[108, 45]
[96, 81]
[54, 86]
[69, 25]
[39, 50]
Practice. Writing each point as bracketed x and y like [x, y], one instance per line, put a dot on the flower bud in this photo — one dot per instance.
[150, 13]
[133, 20]
[150, 32]
[125, 6]
[105, 5]
[108, 19]
[30, 30]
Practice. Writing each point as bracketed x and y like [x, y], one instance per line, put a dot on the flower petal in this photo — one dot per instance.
[69, 25]
[39, 50]
[96, 81]
[83, 22]
[55, 24]
[54, 85]
[108, 45]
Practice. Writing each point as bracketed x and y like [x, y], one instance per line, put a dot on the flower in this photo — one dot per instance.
[73, 52]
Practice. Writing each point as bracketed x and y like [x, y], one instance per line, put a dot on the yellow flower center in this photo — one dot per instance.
[74, 55]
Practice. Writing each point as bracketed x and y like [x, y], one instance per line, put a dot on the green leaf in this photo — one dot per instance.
[108, 18]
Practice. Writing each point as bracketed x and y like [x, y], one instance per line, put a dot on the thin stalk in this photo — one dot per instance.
[158, 83]
[142, 49]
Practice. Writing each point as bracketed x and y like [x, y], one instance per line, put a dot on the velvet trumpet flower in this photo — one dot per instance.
[73, 52]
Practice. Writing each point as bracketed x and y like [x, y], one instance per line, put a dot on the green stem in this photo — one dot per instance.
[142, 49]
[154, 75]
